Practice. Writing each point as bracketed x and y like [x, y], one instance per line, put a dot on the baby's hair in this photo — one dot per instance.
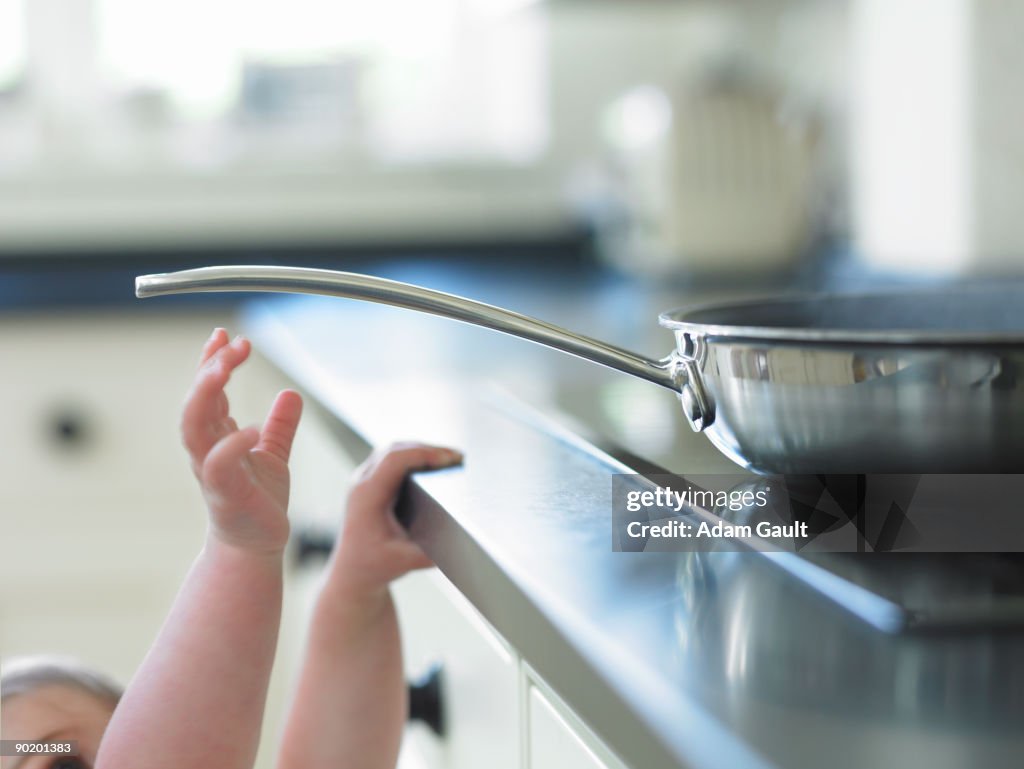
[22, 675]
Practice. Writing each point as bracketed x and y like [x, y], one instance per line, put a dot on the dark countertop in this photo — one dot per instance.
[75, 280]
[716, 660]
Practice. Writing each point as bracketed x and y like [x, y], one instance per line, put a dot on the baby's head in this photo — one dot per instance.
[55, 699]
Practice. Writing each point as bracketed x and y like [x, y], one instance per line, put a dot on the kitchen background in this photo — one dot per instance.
[645, 150]
[685, 135]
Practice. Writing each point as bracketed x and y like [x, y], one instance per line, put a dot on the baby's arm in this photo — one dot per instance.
[351, 705]
[198, 698]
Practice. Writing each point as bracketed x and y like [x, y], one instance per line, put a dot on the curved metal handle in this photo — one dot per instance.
[304, 280]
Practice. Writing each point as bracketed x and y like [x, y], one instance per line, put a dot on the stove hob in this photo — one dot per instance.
[896, 592]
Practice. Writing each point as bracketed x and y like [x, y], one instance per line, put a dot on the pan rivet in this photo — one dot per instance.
[691, 408]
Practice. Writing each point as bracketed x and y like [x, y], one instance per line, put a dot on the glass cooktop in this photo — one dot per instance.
[641, 426]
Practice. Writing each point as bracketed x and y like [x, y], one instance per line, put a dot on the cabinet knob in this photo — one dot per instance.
[310, 544]
[426, 702]
[70, 428]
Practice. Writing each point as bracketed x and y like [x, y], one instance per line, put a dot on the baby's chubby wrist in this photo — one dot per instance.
[259, 534]
[348, 597]
[350, 574]
[241, 555]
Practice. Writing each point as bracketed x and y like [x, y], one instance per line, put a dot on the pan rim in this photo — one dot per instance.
[683, 319]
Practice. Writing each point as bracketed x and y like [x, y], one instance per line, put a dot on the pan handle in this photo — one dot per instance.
[668, 372]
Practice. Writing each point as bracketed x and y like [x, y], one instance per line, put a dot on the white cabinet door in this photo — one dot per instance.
[99, 514]
[93, 404]
[556, 737]
[480, 688]
[99, 523]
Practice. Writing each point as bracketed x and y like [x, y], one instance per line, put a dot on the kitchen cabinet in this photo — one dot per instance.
[480, 676]
[498, 711]
[100, 514]
[92, 423]
[553, 741]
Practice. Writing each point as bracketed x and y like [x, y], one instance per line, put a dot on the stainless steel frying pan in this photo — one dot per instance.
[914, 383]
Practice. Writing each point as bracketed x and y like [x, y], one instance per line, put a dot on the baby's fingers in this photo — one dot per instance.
[382, 474]
[202, 421]
[217, 339]
[404, 555]
[282, 422]
[226, 474]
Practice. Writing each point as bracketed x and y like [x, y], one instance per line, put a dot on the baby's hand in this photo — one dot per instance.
[374, 547]
[243, 473]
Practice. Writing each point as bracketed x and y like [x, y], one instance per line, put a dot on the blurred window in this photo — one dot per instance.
[11, 43]
[310, 83]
